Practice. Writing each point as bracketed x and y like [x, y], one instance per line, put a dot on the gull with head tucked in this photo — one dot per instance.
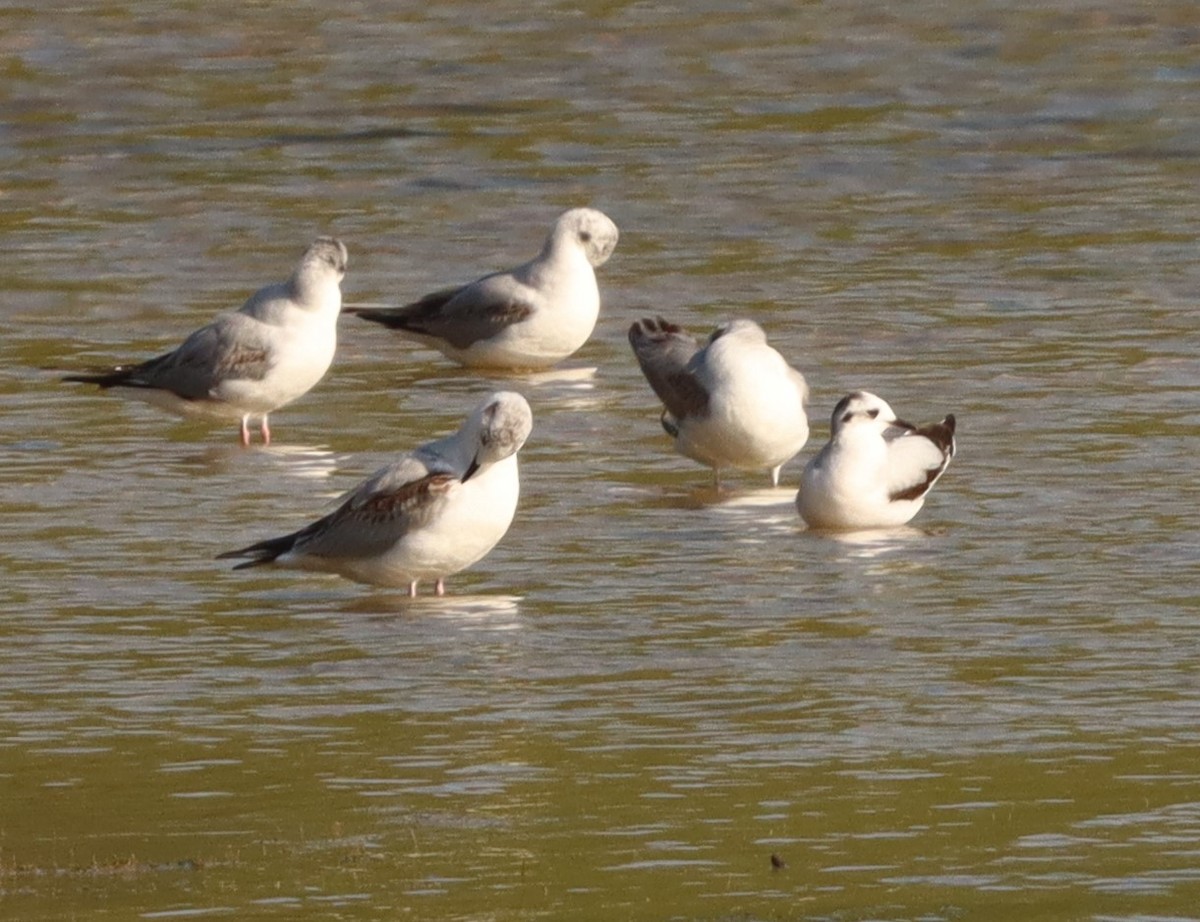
[876, 470]
[252, 361]
[733, 402]
[526, 318]
[432, 513]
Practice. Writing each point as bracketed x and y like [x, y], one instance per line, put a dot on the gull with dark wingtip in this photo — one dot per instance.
[526, 318]
[252, 361]
[876, 470]
[432, 513]
[733, 402]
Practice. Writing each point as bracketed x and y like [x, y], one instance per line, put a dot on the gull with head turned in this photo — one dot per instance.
[525, 318]
[433, 512]
[733, 402]
[876, 469]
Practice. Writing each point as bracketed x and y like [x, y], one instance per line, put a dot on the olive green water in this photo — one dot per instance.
[986, 208]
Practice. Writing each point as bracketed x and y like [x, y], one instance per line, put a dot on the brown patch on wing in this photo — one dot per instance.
[243, 363]
[942, 435]
[384, 507]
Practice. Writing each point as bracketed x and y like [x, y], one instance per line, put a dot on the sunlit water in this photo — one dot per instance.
[648, 689]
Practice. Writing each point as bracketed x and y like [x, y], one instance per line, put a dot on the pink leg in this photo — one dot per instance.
[245, 431]
[412, 589]
[441, 587]
[266, 431]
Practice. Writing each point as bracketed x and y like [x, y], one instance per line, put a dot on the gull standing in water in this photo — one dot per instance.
[875, 470]
[526, 318]
[252, 361]
[733, 402]
[432, 513]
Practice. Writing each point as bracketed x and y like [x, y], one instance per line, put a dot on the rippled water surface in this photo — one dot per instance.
[648, 689]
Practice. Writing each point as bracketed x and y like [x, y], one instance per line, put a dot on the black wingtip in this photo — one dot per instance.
[108, 377]
[651, 328]
[941, 434]
[388, 317]
[262, 553]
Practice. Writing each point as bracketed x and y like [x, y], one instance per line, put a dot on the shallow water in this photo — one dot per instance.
[648, 689]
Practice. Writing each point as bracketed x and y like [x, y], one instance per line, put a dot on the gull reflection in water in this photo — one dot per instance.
[495, 612]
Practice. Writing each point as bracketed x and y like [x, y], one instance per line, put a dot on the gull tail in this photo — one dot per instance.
[262, 553]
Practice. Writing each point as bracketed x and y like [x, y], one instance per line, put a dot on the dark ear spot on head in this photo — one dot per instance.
[585, 236]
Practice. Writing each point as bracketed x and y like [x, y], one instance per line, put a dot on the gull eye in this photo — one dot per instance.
[846, 417]
[873, 413]
[585, 236]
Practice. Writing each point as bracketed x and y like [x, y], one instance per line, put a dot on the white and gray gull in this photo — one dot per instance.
[525, 318]
[733, 402]
[876, 470]
[428, 515]
[249, 362]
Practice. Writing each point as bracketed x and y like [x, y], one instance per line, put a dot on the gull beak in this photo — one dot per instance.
[902, 424]
[471, 469]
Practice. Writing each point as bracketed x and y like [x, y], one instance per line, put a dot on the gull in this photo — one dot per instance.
[875, 470]
[432, 513]
[526, 318]
[733, 402]
[252, 361]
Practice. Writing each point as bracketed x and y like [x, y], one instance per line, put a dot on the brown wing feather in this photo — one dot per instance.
[663, 351]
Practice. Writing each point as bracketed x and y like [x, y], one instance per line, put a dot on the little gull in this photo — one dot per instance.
[432, 513]
[249, 362]
[733, 402]
[875, 470]
[526, 318]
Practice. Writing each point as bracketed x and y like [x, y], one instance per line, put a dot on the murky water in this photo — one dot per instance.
[647, 690]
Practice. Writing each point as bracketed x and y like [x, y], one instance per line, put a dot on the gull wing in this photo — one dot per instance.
[461, 316]
[234, 346]
[917, 459]
[375, 515]
[665, 353]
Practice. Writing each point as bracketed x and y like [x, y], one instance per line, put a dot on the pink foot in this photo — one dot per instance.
[412, 589]
[441, 587]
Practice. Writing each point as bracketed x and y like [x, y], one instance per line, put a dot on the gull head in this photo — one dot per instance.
[590, 230]
[863, 412]
[317, 279]
[497, 429]
[326, 255]
[741, 330]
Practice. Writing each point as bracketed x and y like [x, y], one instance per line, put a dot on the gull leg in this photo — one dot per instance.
[266, 430]
[775, 475]
[441, 587]
[717, 479]
[412, 589]
[246, 431]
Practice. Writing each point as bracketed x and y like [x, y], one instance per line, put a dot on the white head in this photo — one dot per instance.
[590, 230]
[496, 429]
[743, 330]
[323, 264]
[863, 412]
